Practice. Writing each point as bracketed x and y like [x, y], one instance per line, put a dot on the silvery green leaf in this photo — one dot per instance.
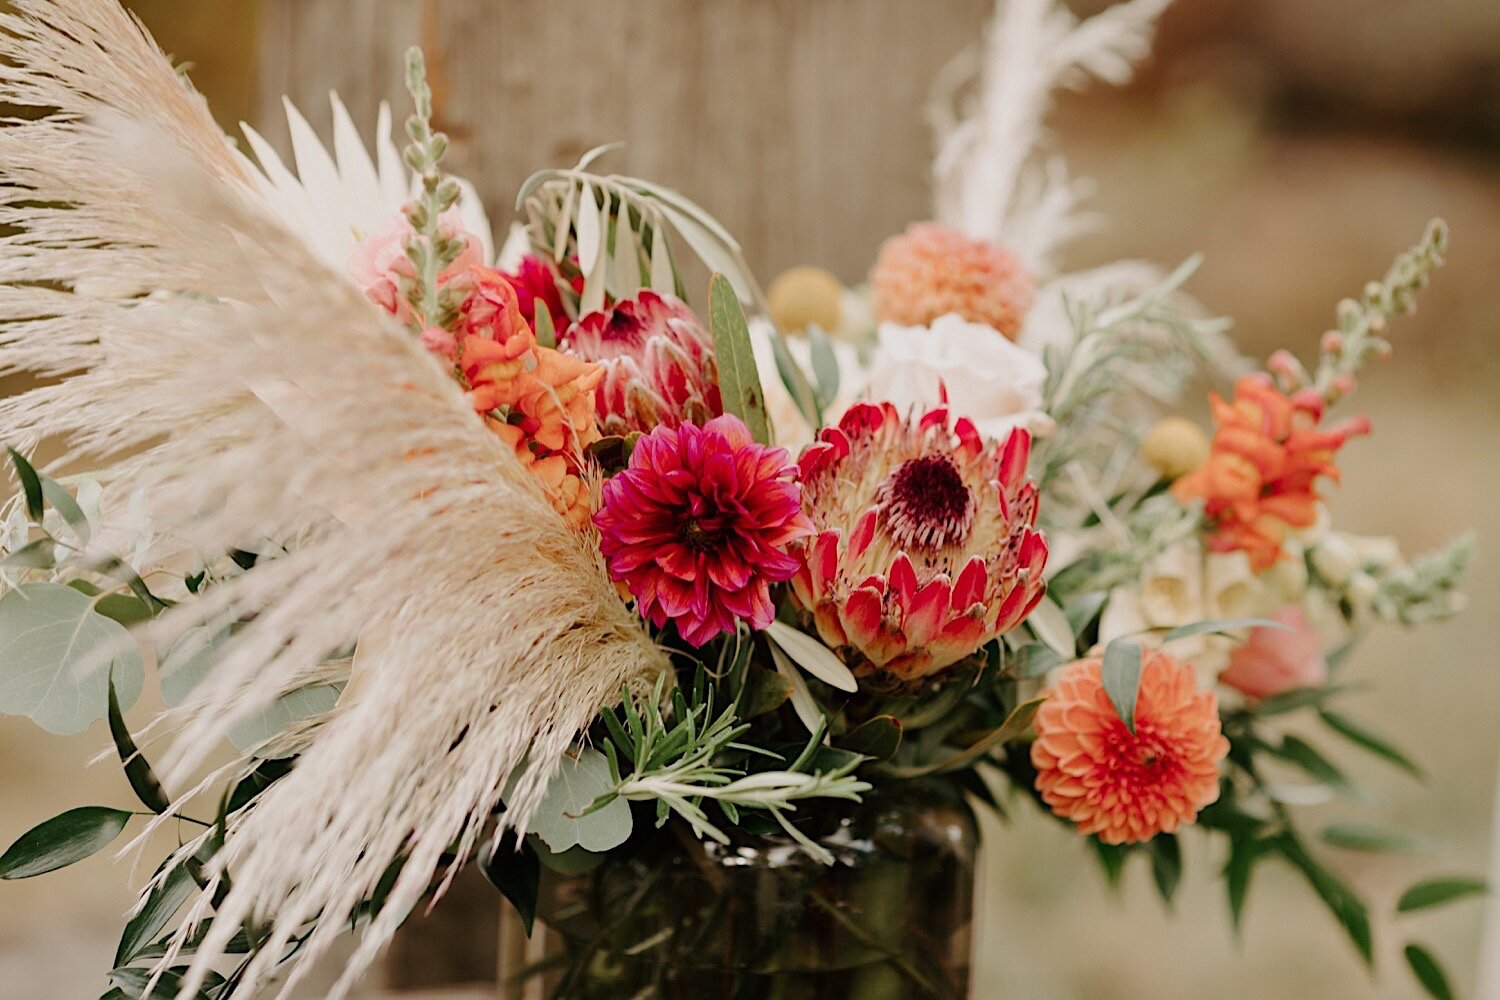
[814, 657]
[803, 703]
[290, 708]
[718, 257]
[190, 660]
[56, 656]
[562, 223]
[563, 819]
[1050, 625]
[739, 378]
[663, 279]
[72, 514]
[587, 226]
[1122, 678]
[625, 262]
[825, 366]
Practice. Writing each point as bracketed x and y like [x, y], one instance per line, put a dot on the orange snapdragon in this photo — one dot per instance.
[536, 399]
[1260, 480]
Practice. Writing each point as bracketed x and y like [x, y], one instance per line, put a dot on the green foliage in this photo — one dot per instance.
[739, 380]
[1347, 908]
[1439, 891]
[63, 840]
[60, 654]
[515, 870]
[1428, 972]
[137, 770]
[1122, 678]
[1362, 737]
[161, 904]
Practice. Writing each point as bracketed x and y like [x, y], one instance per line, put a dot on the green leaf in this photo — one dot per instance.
[59, 654]
[1290, 701]
[1048, 623]
[795, 379]
[1244, 852]
[137, 770]
[1363, 837]
[1013, 728]
[62, 840]
[564, 820]
[545, 334]
[161, 904]
[763, 691]
[1436, 892]
[1359, 735]
[878, 739]
[38, 554]
[811, 655]
[1218, 625]
[739, 380]
[1034, 659]
[31, 485]
[62, 501]
[127, 609]
[132, 982]
[517, 874]
[825, 366]
[1428, 972]
[1122, 678]
[1166, 864]
[1297, 751]
[1347, 908]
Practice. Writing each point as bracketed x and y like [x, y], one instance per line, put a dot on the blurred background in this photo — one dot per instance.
[1298, 143]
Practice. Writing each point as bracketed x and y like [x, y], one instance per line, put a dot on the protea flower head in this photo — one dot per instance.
[658, 361]
[925, 546]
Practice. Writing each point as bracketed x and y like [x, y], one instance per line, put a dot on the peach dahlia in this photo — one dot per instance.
[1120, 785]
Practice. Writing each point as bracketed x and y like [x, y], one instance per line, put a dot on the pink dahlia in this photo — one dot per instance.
[658, 364]
[925, 547]
[931, 270]
[698, 524]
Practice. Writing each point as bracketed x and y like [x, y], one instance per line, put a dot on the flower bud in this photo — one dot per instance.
[1362, 591]
[805, 297]
[1175, 447]
[1335, 560]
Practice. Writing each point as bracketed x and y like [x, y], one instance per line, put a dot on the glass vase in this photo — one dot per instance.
[669, 917]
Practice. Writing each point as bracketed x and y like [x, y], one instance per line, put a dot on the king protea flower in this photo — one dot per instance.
[925, 548]
[697, 527]
[658, 364]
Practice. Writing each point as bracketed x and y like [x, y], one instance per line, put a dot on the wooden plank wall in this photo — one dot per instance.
[797, 122]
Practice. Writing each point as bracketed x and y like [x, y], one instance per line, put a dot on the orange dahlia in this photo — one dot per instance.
[931, 270]
[1127, 786]
[536, 399]
[925, 547]
[1261, 476]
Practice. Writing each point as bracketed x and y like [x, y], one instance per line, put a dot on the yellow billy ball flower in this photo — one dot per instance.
[804, 297]
[1175, 447]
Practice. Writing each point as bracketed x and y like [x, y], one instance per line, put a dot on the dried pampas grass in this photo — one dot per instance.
[231, 387]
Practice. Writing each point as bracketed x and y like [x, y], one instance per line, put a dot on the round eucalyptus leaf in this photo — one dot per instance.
[56, 657]
[560, 821]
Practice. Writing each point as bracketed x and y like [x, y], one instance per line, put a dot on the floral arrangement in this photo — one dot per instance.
[525, 558]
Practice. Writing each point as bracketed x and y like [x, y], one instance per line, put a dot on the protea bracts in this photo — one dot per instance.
[925, 546]
[658, 362]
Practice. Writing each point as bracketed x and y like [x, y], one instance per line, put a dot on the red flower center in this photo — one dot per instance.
[924, 504]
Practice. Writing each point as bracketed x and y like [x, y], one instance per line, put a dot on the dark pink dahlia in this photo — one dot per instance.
[659, 367]
[698, 524]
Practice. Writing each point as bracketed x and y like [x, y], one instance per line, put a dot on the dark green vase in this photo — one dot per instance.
[671, 919]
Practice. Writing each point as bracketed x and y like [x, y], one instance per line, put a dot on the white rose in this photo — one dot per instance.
[987, 378]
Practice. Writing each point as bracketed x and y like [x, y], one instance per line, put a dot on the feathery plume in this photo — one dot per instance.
[226, 382]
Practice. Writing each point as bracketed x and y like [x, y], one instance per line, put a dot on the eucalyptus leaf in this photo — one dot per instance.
[564, 819]
[62, 501]
[1122, 678]
[1050, 625]
[57, 654]
[1436, 892]
[62, 840]
[811, 655]
[161, 903]
[1429, 972]
[1215, 626]
[31, 485]
[825, 366]
[739, 380]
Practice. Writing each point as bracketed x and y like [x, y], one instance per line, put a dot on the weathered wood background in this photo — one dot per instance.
[798, 123]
